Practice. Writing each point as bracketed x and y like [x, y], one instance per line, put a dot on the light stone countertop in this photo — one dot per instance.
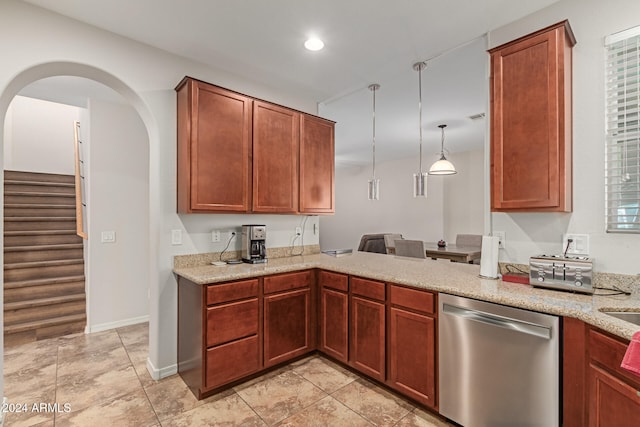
[441, 276]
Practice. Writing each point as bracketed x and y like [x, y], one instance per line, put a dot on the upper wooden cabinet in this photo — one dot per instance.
[531, 122]
[214, 147]
[276, 140]
[239, 154]
[316, 165]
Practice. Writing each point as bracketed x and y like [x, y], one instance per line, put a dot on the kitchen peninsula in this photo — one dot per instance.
[293, 306]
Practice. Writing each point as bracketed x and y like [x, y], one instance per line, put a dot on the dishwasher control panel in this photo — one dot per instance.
[565, 273]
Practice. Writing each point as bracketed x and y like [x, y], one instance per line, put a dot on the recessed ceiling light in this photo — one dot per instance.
[314, 44]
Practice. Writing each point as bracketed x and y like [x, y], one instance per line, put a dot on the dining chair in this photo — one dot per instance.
[372, 243]
[390, 242]
[410, 248]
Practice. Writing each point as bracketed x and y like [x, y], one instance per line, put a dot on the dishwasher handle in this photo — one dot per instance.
[498, 321]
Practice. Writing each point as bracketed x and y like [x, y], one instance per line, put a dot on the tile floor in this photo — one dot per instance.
[101, 379]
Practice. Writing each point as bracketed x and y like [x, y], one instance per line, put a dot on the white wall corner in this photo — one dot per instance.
[118, 324]
[159, 373]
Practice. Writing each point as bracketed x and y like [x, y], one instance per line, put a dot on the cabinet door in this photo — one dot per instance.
[276, 136]
[214, 146]
[613, 402]
[317, 160]
[287, 326]
[334, 323]
[367, 352]
[531, 123]
[412, 352]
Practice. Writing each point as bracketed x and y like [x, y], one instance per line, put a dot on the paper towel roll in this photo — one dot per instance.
[489, 257]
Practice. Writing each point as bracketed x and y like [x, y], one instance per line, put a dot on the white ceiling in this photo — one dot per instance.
[366, 41]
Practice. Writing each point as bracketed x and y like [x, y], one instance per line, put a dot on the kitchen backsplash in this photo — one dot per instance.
[193, 260]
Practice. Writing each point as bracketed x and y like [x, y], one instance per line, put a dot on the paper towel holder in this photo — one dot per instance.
[489, 258]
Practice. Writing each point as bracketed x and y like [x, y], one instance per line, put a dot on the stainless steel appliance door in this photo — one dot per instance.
[498, 366]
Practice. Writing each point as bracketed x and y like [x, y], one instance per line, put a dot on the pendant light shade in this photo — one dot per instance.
[420, 178]
[374, 183]
[442, 166]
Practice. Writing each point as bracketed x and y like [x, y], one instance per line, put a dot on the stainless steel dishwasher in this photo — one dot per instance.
[498, 365]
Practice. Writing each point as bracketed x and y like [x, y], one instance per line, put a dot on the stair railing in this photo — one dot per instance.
[81, 205]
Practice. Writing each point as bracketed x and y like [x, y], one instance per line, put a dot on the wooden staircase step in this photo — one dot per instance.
[19, 254]
[43, 269]
[38, 210]
[41, 309]
[11, 175]
[41, 282]
[38, 187]
[42, 323]
[43, 288]
[38, 198]
[40, 237]
[39, 223]
[39, 302]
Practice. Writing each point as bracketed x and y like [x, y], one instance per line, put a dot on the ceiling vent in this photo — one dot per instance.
[477, 116]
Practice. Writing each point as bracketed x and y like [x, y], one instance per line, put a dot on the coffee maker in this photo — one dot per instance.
[254, 250]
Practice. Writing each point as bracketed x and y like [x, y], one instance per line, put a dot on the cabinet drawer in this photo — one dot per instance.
[368, 288]
[232, 361]
[284, 282]
[336, 281]
[232, 291]
[414, 299]
[232, 321]
[609, 352]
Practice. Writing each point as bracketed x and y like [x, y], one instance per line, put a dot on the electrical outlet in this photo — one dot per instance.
[502, 238]
[578, 246]
[215, 236]
[298, 231]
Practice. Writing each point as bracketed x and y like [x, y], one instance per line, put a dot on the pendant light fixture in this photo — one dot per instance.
[442, 166]
[420, 178]
[374, 183]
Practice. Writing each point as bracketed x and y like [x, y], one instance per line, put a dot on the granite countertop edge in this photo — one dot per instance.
[440, 276]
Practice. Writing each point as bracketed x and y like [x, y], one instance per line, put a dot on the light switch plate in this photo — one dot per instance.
[108, 237]
[176, 237]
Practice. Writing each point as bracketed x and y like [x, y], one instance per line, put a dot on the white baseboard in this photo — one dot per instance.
[158, 374]
[118, 324]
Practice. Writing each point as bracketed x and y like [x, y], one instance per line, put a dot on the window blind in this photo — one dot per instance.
[622, 165]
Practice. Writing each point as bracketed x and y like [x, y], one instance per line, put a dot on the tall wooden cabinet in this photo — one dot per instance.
[214, 149]
[531, 126]
[240, 154]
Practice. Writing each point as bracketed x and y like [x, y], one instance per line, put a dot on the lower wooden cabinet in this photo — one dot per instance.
[218, 333]
[613, 402]
[288, 318]
[367, 331]
[597, 391]
[334, 315]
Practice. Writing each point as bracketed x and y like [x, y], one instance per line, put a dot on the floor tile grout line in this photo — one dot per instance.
[250, 407]
[144, 390]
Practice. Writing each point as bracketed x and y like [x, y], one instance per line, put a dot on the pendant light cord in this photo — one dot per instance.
[373, 88]
[419, 66]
